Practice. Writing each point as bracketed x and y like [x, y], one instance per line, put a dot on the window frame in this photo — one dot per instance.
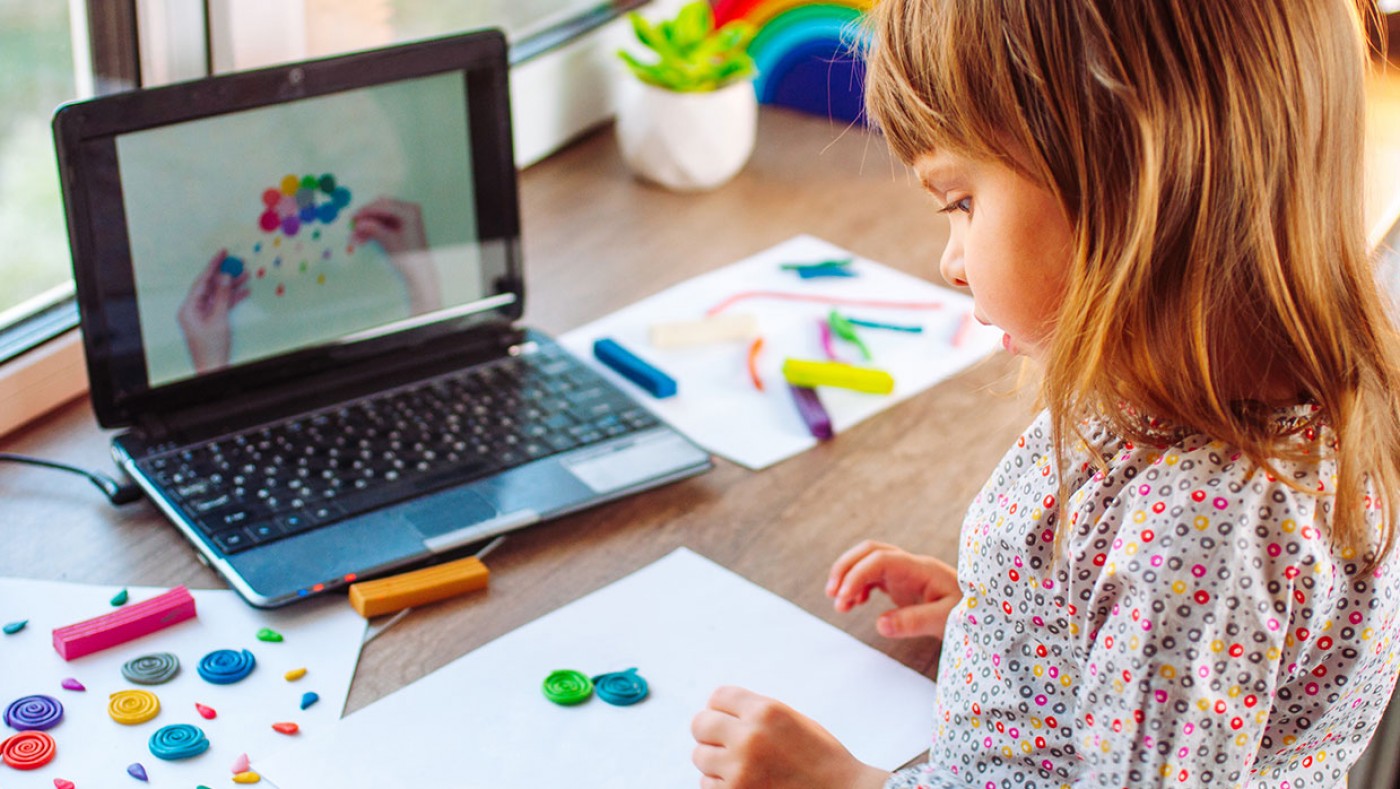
[107, 37]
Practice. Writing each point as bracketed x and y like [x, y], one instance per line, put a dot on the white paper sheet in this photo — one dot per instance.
[718, 408]
[322, 636]
[687, 625]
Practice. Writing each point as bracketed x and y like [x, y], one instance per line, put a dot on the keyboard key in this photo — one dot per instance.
[264, 532]
[234, 541]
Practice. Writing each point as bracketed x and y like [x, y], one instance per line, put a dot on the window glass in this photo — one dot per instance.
[254, 33]
[36, 61]
[339, 25]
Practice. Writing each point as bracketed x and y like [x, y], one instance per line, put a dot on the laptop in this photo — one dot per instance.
[300, 291]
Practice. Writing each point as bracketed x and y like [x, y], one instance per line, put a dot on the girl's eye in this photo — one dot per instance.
[964, 205]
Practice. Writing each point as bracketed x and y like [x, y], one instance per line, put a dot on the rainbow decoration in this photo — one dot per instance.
[807, 53]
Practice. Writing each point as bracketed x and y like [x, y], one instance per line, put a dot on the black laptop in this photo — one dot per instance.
[299, 289]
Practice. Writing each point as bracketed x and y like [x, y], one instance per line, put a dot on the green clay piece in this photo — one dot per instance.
[269, 635]
[567, 687]
[310, 182]
[121, 598]
[15, 627]
[843, 329]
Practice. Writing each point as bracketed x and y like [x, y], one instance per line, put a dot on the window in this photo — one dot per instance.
[52, 51]
[241, 37]
[37, 50]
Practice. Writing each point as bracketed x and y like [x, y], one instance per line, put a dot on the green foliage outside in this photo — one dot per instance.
[36, 58]
[693, 55]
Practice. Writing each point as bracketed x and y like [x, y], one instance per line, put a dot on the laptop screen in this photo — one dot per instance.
[265, 231]
[247, 229]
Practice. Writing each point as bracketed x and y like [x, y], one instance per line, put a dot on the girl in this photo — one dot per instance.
[1182, 573]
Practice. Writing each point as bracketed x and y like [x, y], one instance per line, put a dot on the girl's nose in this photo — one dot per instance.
[951, 265]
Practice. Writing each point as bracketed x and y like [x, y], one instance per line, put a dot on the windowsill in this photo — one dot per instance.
[41, 380]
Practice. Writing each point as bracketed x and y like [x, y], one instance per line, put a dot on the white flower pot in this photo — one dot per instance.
[688, 142]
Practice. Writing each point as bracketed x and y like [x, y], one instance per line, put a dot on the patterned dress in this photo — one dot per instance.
[1204, 632]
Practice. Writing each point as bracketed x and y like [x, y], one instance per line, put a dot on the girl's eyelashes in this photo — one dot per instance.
[964, 205]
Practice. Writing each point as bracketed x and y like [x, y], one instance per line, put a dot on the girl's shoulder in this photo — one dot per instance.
[1196, 495]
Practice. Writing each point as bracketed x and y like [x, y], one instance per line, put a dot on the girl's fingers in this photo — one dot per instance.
[847, 560]
[712, 727]
[367, 227]
[870, 572]
[928, 619]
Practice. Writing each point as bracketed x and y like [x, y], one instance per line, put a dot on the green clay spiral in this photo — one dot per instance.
[567, 686]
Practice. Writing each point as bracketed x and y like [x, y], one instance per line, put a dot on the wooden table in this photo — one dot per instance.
[596, 240]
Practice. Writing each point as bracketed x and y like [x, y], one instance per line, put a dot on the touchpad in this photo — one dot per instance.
[448, 511]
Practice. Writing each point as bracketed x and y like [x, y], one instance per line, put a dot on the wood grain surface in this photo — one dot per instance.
[596, 240]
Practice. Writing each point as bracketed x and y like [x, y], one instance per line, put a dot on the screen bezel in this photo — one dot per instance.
[85, 134]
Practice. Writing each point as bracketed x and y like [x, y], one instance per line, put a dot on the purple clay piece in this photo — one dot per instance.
[135, 770]
[809, 406]
[290, 225]
[34, 713]
[73, 684]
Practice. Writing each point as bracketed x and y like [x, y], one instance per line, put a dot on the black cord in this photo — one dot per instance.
[116, 492]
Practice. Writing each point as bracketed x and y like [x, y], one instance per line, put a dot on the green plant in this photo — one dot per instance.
[694, 56]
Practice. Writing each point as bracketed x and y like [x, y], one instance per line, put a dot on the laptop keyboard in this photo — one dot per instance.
[282, 479]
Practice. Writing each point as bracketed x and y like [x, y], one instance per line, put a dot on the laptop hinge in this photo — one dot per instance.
[252, 407]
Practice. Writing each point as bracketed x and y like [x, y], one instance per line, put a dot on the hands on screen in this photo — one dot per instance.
[397, 226]
[203, 315]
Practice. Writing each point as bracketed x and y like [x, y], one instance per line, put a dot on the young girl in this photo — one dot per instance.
[1182, 573]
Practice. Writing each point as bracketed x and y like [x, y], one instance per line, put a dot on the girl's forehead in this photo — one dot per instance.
[939, 166]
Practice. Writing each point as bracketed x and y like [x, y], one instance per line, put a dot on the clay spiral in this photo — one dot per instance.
[225, 667]
[34, 713]
[153, 669]
[621, 688]
[180, 741]
[28, 750]
[567, 686]
[130, 707]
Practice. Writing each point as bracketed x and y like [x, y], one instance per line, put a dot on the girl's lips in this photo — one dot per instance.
[1006, 342]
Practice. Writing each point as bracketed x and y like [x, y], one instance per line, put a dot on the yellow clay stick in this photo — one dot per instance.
[810, 373]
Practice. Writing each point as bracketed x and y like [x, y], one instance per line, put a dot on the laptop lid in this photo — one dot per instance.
[245, 232]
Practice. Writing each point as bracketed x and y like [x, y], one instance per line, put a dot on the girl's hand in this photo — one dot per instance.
[747, 741]
[397, 226]
[924, 590]
[203, 315]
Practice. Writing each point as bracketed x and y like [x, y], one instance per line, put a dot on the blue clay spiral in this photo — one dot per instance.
[180, 741]
[225, 667]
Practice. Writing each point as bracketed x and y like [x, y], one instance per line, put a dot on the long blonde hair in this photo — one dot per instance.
[1208, 154]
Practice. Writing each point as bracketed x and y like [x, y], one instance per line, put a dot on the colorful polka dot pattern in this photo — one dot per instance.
[1198, 630]
[296, 202]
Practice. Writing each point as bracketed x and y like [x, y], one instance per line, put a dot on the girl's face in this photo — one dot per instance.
[1009, 245]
